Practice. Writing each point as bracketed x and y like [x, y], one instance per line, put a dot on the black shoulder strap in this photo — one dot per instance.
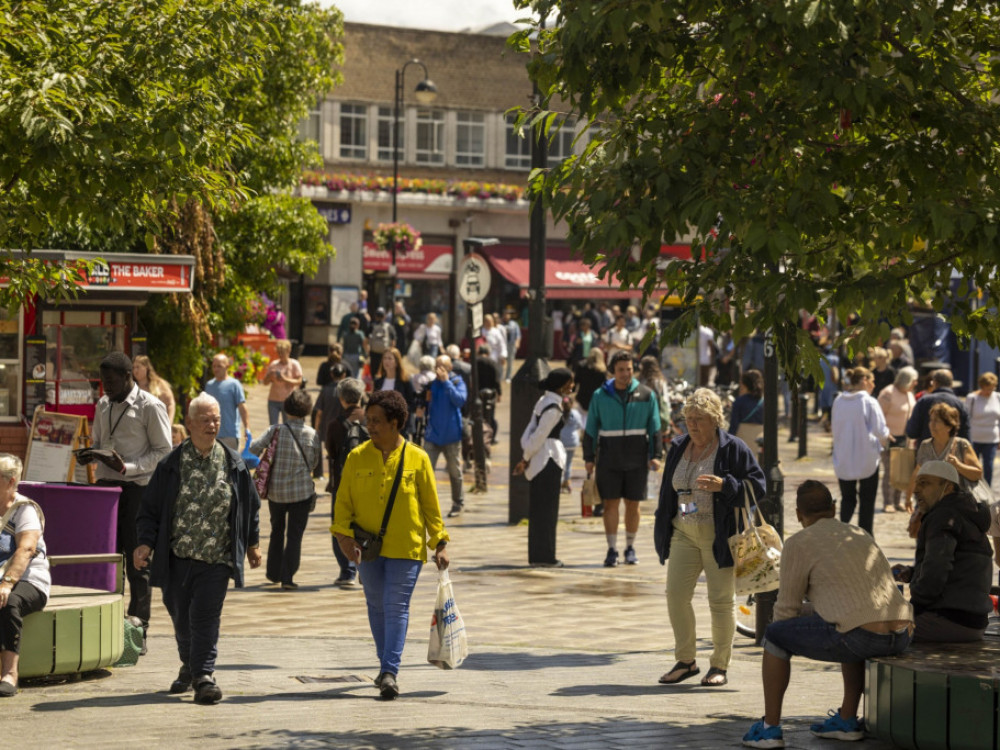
[299, 446]
[392, 492]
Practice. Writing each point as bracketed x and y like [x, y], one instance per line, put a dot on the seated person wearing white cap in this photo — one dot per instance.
[951, 576]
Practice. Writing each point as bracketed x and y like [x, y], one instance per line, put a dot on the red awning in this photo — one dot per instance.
[428, 262]
[565, 277]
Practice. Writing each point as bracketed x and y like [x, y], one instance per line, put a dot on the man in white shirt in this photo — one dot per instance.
[131, 434]
[706, 355]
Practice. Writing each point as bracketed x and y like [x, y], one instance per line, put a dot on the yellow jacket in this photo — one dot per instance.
[364, 492]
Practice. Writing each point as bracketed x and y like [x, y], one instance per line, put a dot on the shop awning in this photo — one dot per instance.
[429, 262]
[565, 277]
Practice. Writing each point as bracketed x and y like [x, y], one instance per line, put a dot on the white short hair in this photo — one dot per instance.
[202, 400]
[11, 466]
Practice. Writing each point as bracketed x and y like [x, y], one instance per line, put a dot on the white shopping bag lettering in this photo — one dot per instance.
[448, 645]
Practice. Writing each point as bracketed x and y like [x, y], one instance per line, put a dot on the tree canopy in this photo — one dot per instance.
[818, 155]
[116, 114]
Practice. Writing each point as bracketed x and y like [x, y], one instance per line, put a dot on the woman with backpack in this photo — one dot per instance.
[344, 434]
[542, 465]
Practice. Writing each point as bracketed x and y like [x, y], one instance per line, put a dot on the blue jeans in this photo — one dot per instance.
[568, 469]
[275, 409]
[987, 453]
[193, 595]
[815, 638]
[388, 584]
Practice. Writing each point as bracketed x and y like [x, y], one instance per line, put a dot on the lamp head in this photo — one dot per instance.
[426, 91]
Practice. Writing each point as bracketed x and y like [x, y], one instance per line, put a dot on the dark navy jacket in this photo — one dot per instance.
[734, 462]
[155, 516]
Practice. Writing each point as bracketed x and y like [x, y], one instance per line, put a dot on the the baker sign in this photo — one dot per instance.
[139, 276]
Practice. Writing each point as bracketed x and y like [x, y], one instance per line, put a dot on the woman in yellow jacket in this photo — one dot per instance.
[414, 524]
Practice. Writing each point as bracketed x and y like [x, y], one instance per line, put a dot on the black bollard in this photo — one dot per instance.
[803, 425]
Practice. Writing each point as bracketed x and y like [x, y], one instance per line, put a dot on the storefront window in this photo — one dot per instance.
[10, 349]
[76, 341]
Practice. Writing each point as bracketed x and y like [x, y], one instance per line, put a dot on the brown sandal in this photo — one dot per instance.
[715, 677]
[687, 669]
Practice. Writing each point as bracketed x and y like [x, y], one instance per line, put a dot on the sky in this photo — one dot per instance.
[439, 15]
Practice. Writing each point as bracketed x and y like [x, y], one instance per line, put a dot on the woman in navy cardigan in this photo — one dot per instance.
[702, 485]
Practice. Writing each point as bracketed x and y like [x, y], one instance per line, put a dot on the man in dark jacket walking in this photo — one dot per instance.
[951, 575]
[200, 513]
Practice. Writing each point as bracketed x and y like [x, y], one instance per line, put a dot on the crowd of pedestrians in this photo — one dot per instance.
[385, 417]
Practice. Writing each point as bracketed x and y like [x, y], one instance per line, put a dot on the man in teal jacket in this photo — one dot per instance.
[623, 438]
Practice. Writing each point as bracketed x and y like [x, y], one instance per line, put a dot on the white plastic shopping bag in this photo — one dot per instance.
[448, 644]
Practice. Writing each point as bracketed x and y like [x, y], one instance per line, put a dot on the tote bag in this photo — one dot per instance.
[262, 478]
[902, 461]
[756, 550]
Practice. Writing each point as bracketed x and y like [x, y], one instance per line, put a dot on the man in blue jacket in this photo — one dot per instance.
[623, 440]
[446, 395]
[200, 513]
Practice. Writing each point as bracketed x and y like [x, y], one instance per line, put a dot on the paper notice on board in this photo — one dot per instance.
[50, 456]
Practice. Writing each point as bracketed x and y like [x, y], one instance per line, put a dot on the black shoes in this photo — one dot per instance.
[456, 510]
[611, 559]
[183, 682]
[387, 686]
[206, 692]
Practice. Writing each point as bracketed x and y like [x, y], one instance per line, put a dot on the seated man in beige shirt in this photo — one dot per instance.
[855, 613]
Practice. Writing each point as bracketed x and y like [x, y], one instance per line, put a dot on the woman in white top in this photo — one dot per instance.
[897, 404]
[619, 337]
[542, 465]
[429, 335]
[984, 422]
[25, 583]
[859, 432]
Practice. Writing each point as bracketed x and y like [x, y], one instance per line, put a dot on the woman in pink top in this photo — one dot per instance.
[897, 404]
[284, 375]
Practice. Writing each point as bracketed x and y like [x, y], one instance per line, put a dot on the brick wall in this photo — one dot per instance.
[14, 439]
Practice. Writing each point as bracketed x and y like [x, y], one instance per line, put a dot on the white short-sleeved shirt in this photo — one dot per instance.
[26, 518]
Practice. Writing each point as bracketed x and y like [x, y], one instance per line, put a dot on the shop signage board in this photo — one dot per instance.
[427, 259]
[127, 272]
[51, 444]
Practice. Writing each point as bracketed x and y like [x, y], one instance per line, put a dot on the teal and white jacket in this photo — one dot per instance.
[623, 428]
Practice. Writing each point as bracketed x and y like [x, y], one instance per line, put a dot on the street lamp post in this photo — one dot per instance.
[425, 92]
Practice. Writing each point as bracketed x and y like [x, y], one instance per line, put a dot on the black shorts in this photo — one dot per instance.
[629, 484]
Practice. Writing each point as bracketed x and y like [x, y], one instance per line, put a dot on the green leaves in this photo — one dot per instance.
[827, 135]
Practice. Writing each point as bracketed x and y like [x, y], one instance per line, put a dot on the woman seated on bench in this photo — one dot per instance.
[24, 568]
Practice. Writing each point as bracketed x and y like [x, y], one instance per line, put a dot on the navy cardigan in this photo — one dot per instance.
[734, 462]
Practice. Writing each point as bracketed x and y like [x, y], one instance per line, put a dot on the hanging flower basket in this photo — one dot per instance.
[401, 236]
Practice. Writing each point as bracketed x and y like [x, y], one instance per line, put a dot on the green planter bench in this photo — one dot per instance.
[936, 695]
[79, 630]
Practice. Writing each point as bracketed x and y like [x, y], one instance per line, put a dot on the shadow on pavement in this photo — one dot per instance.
[620, 731]
[522, 661]
[619, 689]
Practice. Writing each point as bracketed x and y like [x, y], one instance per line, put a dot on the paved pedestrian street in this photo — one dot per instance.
[559, 658]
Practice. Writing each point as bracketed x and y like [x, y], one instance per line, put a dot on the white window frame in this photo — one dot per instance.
[522, 158]
[561, 142]
[356, 148]
[466, 123]
[384, 116]
[311, 126]
[433, 119]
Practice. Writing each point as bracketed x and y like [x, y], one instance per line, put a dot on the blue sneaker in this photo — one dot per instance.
[836, 728]
[758, 736]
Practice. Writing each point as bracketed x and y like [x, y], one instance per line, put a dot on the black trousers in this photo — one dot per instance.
[140, 592]
[283, 556]
[543, 513]
[193, 595]
[859, 493]
[23, 600]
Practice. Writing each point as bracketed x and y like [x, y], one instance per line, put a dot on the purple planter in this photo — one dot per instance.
[79, 520]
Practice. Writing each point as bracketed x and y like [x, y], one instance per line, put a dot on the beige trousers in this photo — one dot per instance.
[690, 554]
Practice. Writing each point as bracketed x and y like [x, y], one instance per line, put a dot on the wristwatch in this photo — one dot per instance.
[9, 579]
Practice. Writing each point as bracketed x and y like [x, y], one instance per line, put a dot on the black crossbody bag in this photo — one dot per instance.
[371, 544]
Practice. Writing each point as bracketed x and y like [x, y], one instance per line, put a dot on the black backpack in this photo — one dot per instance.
[355, 433]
